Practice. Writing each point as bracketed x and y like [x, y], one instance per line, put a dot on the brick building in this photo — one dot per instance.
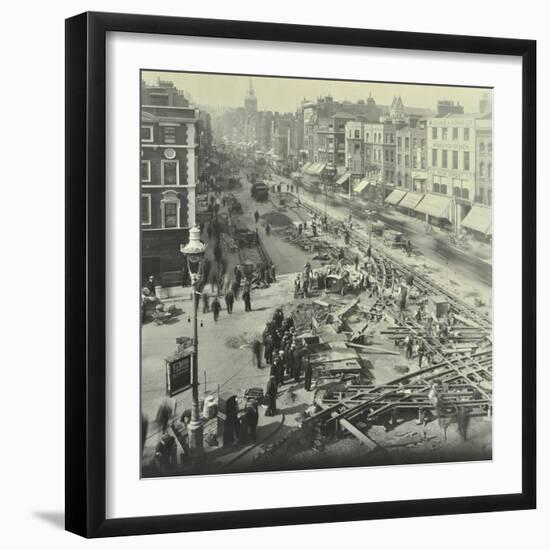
[170, 134]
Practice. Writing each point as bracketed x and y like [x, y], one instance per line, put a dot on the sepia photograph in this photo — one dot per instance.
[316, 273]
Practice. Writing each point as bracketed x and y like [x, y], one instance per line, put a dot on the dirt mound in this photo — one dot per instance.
[276, 219]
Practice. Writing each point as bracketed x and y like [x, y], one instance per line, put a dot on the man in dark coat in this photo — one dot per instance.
[280, 368]
[252, 418]
[150, 285]
[308, 376]
[229, 299]
[246, 299]
[271, 395]
[268, 348]
[257, 353]
[297, 363]
[216, 307]
[256, 216]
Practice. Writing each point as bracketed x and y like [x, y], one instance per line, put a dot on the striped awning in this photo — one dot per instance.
[479, 218]
[361, 186]
[395, 196]
[410, 200]
[437, 206]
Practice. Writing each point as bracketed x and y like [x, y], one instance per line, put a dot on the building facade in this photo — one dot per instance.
[170, 137]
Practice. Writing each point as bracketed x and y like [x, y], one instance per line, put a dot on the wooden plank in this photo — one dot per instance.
[369, 443]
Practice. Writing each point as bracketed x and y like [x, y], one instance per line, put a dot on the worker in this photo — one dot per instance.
[257, 353]
[421, 353]
[409, 343]
[256, 216]
[252, 419]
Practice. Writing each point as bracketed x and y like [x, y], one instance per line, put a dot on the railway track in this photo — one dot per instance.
[463, 376]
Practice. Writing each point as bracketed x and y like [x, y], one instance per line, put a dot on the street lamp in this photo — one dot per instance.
[194, 252]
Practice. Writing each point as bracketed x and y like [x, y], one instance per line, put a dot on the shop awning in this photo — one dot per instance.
[410, 200]
[479, 218]
[306, 166]
[343, 178]
[316, 169]
[361, 186]
[435, 205]
[395, 196]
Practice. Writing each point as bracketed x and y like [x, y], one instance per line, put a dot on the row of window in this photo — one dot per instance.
[169, 172]
[454, 133]
[454, 159]
[168, 134]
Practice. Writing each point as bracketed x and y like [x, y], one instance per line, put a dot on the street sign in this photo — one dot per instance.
[178, 372]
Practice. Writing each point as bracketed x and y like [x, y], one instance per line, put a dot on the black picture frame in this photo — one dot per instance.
[86, 284]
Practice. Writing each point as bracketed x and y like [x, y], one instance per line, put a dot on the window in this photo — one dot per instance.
[423, 143]
[444, 133]
[392, 138]
[415, 162]
[407, 181]
[423, 163]
[407, 143]
[434, 133]
[455, 134]
[436, 187]
[466, 134]
[465, 193]
[455, 160]
[482, 147]
[466, 161]
[170, 214]
[145, 209]
[367, 136]
[407, 161]
[490, 147]
[443, 189]
[398, 158]
[392, 155]
[444, 158]
[399, 142]
[170, 134]
[481, 169]
[434, 157]
[490, 170]
[456, 191]
[357, 134]
[147, 134]
[145, 171]
[387, 155]
[170, 172]
[398, 179]
[357, 148]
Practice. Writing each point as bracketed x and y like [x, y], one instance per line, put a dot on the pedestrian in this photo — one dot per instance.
[256, 216]
[267, 229]
[164, 413]
[307, 376]
[246, 299]
[216, 307]
[235, 289]
[271, 396]
[209, 231]
[356, 263]
[252, 419]
[229, 299]
[205, 302]
[369, 252]
[268, 348]
[257, 353]
[150, 285]
[165, 452]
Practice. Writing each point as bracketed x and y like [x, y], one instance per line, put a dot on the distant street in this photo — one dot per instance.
[434, 246]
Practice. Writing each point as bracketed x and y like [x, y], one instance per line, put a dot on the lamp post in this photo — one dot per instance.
[194, 252]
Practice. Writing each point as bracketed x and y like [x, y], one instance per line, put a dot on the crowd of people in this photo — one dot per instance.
[286, 357]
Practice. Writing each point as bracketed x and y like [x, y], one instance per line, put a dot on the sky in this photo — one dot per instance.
[285, 94]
